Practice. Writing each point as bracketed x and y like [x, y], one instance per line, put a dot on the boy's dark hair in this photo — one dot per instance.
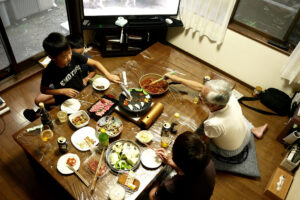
[54, 44]
[75, 41]
[190, 153]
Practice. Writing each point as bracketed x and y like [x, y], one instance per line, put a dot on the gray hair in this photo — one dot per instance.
[219, 92]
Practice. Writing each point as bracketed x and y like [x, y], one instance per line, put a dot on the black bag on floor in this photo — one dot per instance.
[272, 98]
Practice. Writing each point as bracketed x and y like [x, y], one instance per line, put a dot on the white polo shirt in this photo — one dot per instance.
[227, 127]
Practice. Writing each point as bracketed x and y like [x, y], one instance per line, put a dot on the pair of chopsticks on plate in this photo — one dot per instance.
[162, 78]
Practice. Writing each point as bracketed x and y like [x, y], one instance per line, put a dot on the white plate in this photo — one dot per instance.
[62, 166]
[70, 106]
[78, 138]
[101, 82]
[150, 159]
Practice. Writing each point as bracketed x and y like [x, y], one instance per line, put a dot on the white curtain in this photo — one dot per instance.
[291, 71]
[208, 17]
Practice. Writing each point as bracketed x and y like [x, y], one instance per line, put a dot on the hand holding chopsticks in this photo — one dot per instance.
[162, 78]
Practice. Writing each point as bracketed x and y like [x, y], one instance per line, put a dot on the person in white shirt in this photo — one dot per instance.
[226, 125]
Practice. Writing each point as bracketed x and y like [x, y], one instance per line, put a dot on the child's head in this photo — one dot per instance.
[57, 47]
[76, 43]
[190, 153]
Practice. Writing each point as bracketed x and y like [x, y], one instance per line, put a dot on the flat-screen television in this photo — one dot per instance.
[92, 8]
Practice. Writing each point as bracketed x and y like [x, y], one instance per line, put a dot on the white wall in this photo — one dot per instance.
[239, 56]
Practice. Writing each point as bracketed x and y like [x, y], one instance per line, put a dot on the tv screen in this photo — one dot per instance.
[129, 7]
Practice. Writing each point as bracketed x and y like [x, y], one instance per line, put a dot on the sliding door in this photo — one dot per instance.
[26, 23]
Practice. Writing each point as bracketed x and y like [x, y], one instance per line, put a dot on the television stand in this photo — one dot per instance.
[145, 22]
[138, 34]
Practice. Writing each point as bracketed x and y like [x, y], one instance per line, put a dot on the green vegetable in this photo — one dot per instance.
[146, 93]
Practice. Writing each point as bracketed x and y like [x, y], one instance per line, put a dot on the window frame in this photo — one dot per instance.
[260, 36]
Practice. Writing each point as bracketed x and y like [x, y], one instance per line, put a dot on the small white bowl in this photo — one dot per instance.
[144, 136]
[101, 82]
[76, 114]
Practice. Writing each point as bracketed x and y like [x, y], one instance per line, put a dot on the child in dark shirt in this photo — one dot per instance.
[63, 72]
[195, 177]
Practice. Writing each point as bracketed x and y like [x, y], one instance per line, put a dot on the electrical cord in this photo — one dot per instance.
[3, 125]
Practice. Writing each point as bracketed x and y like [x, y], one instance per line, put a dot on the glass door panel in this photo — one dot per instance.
[28, 22]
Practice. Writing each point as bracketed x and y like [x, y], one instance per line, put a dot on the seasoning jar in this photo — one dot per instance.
[257, 90]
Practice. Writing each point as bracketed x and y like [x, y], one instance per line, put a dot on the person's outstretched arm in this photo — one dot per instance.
[101, 68]
[189, 83]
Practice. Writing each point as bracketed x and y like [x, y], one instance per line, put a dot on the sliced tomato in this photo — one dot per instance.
[71, 161]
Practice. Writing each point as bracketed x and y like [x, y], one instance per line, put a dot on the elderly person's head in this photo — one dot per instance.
[216, 93]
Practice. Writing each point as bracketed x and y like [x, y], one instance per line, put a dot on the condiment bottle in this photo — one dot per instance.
[45, 116]
[103, 137]
[165, 135]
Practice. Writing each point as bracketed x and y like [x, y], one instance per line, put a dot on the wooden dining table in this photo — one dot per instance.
[158, 58]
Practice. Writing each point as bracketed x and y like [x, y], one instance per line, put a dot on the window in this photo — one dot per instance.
[30, 21]
[275, 19]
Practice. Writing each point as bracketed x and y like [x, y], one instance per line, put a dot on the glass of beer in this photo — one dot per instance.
[62, 116]
[46, 133]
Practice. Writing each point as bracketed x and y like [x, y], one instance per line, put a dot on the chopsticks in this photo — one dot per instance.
[96, 173]
[79, 175]
[147, 145]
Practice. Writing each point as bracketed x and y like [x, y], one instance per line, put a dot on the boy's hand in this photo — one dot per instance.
[69, 92]
[85, 81]
[113, 78]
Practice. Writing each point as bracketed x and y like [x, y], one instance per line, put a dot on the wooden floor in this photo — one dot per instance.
[18, 180]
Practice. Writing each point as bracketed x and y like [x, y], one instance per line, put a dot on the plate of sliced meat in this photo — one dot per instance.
[102, 107]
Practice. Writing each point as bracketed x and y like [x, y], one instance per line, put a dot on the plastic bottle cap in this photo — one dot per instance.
[41, 105]
[103, 130]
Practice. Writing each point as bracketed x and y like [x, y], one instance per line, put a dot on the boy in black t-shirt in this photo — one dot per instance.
[77, 45]
[64, 72]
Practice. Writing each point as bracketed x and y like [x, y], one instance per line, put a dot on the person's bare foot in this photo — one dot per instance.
[259, 131]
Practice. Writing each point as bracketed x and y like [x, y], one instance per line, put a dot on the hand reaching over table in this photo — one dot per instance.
[113, 78]
[172, 77]
[164, 156]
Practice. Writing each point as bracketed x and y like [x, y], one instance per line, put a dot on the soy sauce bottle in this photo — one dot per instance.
[45, 116]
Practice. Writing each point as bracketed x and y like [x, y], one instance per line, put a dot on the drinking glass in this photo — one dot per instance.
[62, 116]
[46, 133]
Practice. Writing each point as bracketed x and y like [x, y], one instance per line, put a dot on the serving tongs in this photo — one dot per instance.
[127, 93]
[162, 78]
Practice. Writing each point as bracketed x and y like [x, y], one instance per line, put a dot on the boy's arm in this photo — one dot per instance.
[88, 77]
[63, 91]
[101, 68]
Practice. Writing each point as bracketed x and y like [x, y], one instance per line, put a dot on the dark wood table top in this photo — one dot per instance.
[158, 59]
